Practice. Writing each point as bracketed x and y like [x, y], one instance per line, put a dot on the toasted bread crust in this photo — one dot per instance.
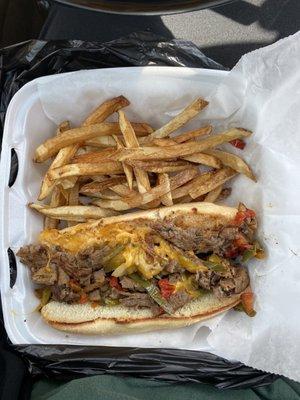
[119, 320]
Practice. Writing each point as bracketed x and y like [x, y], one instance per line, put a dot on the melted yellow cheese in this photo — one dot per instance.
[133, 257]
[186, 283]
[82, 239]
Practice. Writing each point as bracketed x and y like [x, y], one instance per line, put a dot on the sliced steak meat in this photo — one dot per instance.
[116, 294]
[105, 287]
[85, 280]
[91, 287]
[227, 286]
[138, 300]
[130, 284]
[233, 281]
[186, 239]
[201, 239]
[229, 232]
[235, 284]
[156, 310]
[34, 256]
[195, 239]
[174, 278]
[179, 299]
[95, 295]
[68, 263]
[64, 293]
[45, 276]
[172, 267]
[63, 278]
[71, 275]
[99, 277]
[94, 281]
[204, 279]
[241, 279]
[92, 257]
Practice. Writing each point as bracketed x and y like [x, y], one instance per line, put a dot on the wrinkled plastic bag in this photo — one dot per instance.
[171, 365]
[26, 61]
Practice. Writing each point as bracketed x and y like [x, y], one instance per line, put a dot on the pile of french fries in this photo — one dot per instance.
[104, 168]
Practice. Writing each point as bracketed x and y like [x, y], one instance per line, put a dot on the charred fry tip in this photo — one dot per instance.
[123, 98]
[203, 102]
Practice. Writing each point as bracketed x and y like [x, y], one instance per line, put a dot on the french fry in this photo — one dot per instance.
[183, 200]
[91, 160]
[141, 129]
[98, 115]
[219, 177]
[101, 141]
[184, 137]
[57, 199]
[184, 189]
[123, 190]
[181, 178]
[62, 127]
[214, 194]
[232, 161]
[98, 187]
[181, 119]
[73, 213]
[134, 201]
[73, 198]
[68, 183]
[166, 199]
[131, 141]
[117, 205]
[65, 154]
[106, 195]
[127, 131]
[141, 199]
[179, 150]
[205, 159]
[128, 170]
[158, 142]
[74, 195]
[99, 178]
[73, 136]
[63, 157]
[94, 156]
[158, 166]
[110, 167]
[105, 110]
[188, 199]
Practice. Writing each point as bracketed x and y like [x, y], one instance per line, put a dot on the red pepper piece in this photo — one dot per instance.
[83, 298]
[242, 244]
[114, 283]
[166, 288]
[238, 143]
[247, 300]
[242, 215]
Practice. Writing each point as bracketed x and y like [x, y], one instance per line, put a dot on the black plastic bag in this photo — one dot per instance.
[29, 60]
[26, 61]
[171, 365]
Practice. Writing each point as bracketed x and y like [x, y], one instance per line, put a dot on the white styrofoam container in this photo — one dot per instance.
[26, 126]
